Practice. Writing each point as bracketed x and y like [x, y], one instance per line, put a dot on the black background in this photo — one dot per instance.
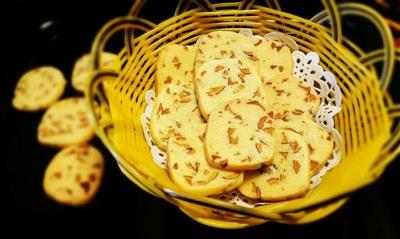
[121, 208]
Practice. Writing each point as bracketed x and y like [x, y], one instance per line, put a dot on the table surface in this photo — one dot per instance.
[121, 208]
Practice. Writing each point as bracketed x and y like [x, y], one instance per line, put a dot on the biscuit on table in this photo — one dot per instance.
[82, 69]
[188, 166]
[239, 136]
[219, 45]
[175, 105]
[74, 175]
[175, 63]
[65, 123]
[293, 94]
[38, 89]
[287, 177]
[220, 81]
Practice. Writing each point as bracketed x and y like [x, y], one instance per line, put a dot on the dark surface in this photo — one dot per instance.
[120, 207]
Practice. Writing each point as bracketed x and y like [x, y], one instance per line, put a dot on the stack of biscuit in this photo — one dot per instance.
[74, 175]
[230, 114]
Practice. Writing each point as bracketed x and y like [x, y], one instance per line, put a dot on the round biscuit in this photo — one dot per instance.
[38, 89]
[65, 123]
[74, 175]
[82, 69]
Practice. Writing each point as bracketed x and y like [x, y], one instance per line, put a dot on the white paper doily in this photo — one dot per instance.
[307, 68]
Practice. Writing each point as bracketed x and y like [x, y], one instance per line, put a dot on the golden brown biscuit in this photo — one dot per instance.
[82, 69]
[319, 142]
[66, 123]
[175, 105]
[74, 175]
[38, 89]
[175, 63]
[220, 81]
[289, 175]
[293, 94]
[239, 136]
[188, 166]
[275, 59]
[220, 45]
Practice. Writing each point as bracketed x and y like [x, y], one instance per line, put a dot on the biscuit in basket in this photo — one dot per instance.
[175, 105]
[175, 63]
[289, 175]
[219, 45]
[291, 93]
[220, 81]
[82, 69]
[74, 175]
[65, 123]
[319, 142]
[38, 89]
[275, 58]
[239, 136]
[188, 167]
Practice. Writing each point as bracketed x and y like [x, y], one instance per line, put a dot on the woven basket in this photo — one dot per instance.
[365, 122]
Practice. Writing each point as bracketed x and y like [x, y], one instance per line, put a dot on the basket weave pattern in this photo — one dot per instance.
[365, 120]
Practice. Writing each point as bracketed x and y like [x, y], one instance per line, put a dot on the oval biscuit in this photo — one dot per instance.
[220, 81]
[275, 58]
[239, 136]
[188, 166]
[219, 45]
[38, 89]
[82, 69]
[74, 175]
[293, 94]
[175, 63]
[175, 105]
[289, 175]
[66, 123]
[319, 142]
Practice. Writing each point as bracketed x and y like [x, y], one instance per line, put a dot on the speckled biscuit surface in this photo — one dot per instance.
[175, 105]
[239, 136]
[188, 166]
[66, 123]
[288, 176]
[223, 45]
[74, 175]
[82, 69]
[293, 94]
[220, 81]
[275, 58]
[38, 89]
[175, 64]
[319, 142]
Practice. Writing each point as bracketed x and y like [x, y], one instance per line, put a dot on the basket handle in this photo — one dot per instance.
[356, 9]
[391, 150]
[387, 55]
[183, 5]
[393, 109]
[95, 92]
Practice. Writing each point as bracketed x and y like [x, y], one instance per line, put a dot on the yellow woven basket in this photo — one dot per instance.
[365, 122]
